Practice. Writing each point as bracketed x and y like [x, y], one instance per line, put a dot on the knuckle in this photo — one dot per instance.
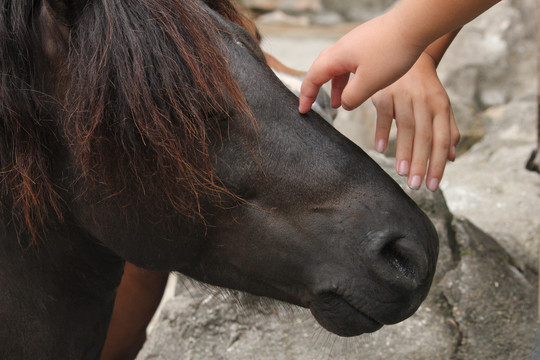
[326, 53]
[442, 104]
[351, 99]
[347, 103]
[377, 100]
[444, 146]
[456, 137]
[382, 101]
[425, 135]
[426, 97]
[405, 123]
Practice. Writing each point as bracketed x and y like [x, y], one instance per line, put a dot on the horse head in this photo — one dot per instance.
[179, 150]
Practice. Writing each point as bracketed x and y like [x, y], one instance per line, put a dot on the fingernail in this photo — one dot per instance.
[415, 183]
[380, 146]
[433, 184]
[403, 168]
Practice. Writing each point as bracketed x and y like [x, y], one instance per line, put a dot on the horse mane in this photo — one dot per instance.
[139, 85]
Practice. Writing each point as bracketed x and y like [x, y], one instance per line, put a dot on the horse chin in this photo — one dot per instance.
[338, 316]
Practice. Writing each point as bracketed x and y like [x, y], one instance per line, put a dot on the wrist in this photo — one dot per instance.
[437, 48]
[426, 56]
[410, 27]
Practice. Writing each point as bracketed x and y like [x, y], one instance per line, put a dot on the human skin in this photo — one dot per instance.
[381, 51]
[137, 299]
[426, 125]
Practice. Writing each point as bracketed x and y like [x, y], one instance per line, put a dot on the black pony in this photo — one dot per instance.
[152, 131]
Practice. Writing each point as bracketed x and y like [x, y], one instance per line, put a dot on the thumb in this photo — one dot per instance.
[357, 91]
[366, 83]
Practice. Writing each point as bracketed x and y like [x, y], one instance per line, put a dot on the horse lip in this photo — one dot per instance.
[337, 315]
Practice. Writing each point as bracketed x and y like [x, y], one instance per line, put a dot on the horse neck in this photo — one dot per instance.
[62, 288]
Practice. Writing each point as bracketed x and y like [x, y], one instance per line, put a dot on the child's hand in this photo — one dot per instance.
[379, 52]
[426, 128]
[383, 49]
[376, 52]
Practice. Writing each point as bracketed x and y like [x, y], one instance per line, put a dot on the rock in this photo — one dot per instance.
[348, 10]
[326, 18]
[358, 10]
[285, 5]
[490, 185]
[307, 48]
[505, 325]
[491, 60]
[490, 63]
[280, 17]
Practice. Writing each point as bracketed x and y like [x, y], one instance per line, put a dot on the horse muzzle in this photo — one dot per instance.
[384, 285]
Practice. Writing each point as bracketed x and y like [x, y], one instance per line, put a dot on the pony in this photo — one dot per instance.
[152, 131]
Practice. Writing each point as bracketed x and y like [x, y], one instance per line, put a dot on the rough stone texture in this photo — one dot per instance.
[348, 10]
[492, 302]
[490, 185]
[358, 10]
[285, 5]
[490, 61]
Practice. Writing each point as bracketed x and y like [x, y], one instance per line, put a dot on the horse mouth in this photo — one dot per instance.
[338, 316]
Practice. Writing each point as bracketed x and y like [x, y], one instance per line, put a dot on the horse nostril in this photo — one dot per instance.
[407, 260]
[397, 257]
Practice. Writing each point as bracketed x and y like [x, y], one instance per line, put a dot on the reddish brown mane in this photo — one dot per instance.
[144, 79]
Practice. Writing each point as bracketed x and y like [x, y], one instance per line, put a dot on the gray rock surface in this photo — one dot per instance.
[490, 61]
[358, 10]
[293, 6]
[490, 185]
[348, 10]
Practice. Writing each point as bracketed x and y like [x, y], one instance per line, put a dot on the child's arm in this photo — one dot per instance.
[383, 49]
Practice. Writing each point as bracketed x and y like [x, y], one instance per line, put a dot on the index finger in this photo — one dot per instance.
[319, 74]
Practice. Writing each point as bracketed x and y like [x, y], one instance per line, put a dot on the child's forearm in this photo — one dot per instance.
[422, 22]
[437, 48]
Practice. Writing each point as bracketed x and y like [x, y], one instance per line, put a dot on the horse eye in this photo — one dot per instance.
[238, 41]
